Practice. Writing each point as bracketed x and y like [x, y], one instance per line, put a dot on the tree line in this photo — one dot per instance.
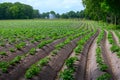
[18, 10]
[105, 10]
[67, 15]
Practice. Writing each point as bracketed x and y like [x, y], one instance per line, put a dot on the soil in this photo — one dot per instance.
[24, 50]
[50, 71]
[81, 66]
[111, 59]
[92, 70]
[19, 70]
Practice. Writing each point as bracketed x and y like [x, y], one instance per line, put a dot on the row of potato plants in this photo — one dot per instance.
[31, 71]
[114, 47]
[19, 34]
[38, 35]
[68, 72]
[56, 34]
[99, 59]
[5, 65]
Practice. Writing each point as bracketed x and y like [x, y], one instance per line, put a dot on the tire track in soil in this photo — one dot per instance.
[82, 64]
[20, 69]
[92, 70]
[110, 58]
[50, 71]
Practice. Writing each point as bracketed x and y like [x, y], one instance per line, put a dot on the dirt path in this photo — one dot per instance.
[92, 71]
[116, 39]
[111, 59]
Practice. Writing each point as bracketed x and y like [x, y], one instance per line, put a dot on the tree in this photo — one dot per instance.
[36, 14]
[17, 11]
[71, 14]
[102, 10]
[4, 10]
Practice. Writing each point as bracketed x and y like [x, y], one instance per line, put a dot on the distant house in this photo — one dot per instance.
[51, 16]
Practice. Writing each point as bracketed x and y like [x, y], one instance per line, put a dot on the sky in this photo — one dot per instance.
[59, 6]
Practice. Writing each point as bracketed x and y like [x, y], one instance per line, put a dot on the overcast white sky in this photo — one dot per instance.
[59, 6]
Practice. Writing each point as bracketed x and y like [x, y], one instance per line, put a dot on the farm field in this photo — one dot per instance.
[58, 50]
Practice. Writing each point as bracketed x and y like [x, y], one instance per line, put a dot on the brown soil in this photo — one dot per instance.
[92, 70]
[111, 59]
[50, 71]
[12, 46]
[24, 50]
[81, 66]
[115, 38]
[19, 70]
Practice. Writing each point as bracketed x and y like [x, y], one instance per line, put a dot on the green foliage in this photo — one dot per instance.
[15, 60]
[118, 54]
[12, 50]
[54, 52]
[100, 9]
[2, 44]
[3, 53]
[59, 46]
[20, 45]
[78, 49]
[67, 74]
[17, 11]
[102, 66]
[4, 66]
[35, 68]
[32, 51]
[115, 48]
[69, 62]
[105, 76]
[43, 43]
[110, 38]
[43, 61]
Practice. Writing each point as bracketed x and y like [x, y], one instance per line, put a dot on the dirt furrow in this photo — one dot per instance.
[50, 71]
[110, 58]
[20, 69]
[10, 56]
[82, 64]
[92, 70]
